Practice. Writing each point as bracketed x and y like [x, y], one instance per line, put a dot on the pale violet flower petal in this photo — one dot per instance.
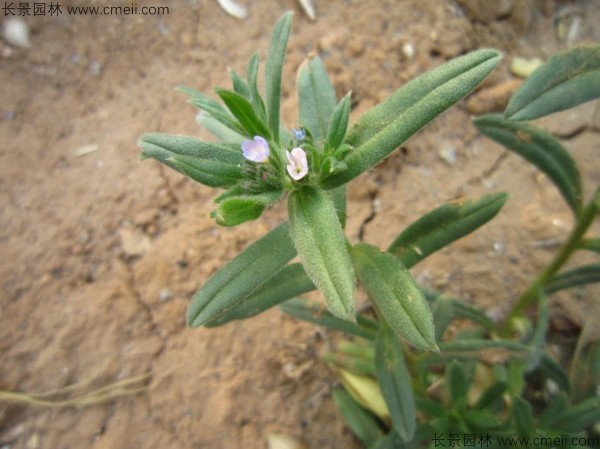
[256, 150]
[297, 166]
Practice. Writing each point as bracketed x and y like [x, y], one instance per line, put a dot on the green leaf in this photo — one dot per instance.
[580, 416]
[477, 345]
[339, 123]
[318, 237]
[587, 274]
[240, 85]
[564, 81]
[314, 313]
[252, 75]
[316, 98]
[396, 295]
[217, 129]
[208, 163]
[212, 107]
[362, 423]
[443, 226]
[288, 283]
[235, 210]
[522, 417]
[378, 132]
[492, 394]
[242, 276]
[591, 244]
[481, 419]
[395, 383]
[538, 339]
[457, 382]
[243, 110]
[553, 411]
[442, 310]
[273, 71]
[552, 369]
[538, 147]
[338, 196]
[462, 310]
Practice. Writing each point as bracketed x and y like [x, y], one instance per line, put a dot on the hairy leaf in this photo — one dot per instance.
[273, 71]
[443, 226]
[316, 98]
[318, 238]
[288, 283]
[243, 110]
[362, 423]
[238, 209]
[314, 313]
[395, 383]
[242, 276]
[538, 147]
[378, 132]
[395, 294]
[564, 81]
[211, 164]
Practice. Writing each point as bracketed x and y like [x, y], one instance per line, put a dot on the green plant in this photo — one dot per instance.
[258, 163]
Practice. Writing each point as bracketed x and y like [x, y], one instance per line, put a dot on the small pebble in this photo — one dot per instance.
[165, 295]
[408, 50]
[16, 32]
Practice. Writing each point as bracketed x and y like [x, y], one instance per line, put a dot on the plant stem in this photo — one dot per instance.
[584, 220]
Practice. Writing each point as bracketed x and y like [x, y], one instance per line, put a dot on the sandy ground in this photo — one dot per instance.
[100, 252]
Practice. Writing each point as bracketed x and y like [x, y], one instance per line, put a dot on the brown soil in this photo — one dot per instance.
[101, 253]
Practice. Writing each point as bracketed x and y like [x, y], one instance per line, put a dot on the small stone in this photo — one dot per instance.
[165, 295]
[408, 50]
[448, 154]
[134, 242]
[16, 32]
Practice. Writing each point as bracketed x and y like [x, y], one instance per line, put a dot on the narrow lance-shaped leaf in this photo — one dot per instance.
[443, 226]
[217, 129]
[538, 147]
[273, 71]
[395, 383]
[538, 339]
[318, 238]
[238, 209]
[288, 283]
[212, 107]
[362, 423]
[587, 274]
[252, 76]
[316, 98]
[240, 85]
[387, 126]
[243, 110]
[590, 244]
[314, 313]
[395, 294]
[580, 416]
[211, 164]
[241, 276]
[339, 123]
[564, 81]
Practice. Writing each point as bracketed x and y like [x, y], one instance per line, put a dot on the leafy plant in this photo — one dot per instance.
[404, 385]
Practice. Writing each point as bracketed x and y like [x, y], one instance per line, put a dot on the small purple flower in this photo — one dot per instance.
[257, 150]
[297, 165]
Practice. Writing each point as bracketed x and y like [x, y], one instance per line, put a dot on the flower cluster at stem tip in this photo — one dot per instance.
[258, 151]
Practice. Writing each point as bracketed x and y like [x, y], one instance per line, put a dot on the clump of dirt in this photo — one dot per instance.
[101, 253]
